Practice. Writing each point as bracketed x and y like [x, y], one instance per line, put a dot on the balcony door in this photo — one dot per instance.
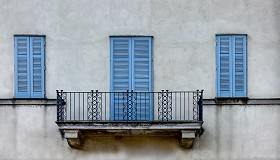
[131, 78]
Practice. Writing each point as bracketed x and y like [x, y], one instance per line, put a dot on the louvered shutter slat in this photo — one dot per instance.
[239, 70]
[231, 66]
[22, 87]
[37, 66]
[224, 66]
[120, 74]
[141, 75]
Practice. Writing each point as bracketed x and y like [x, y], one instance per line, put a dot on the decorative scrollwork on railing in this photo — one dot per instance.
[94, 106]
[130, 106]
[61, 105]
[195, 99]
[165, 106]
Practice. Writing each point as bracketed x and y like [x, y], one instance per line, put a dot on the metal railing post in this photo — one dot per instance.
[57, 105]
[200, 106]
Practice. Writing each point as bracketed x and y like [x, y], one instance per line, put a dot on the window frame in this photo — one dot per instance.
[30, 94]
[232, 93]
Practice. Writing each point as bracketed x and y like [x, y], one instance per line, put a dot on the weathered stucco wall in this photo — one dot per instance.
[77, 37]
[77, 59]
[231, 132]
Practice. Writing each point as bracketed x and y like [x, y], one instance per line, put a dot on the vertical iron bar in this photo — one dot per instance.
[193, 99]
[79, 106]
[64, 111]
[83, 106]
[197, 96]
[70, 105]
[114, 106]
[201, 113]
[127, 105]
[175, 117]
[118, 106]
[162, 104]
[188, 105]
[167, 110]
[101, 106]
[105, 105]
[145, 111]
[87, 105]
[184, 105]
[57, 106]
[180, 105]
[140, 118]
[136, 104]
[74, 106]
[91, 105]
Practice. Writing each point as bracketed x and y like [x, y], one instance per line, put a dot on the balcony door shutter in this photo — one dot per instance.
[131, 71]
[224, 66]
[142, 75]
[239, 67]
[22, 71]
[120, 75]
[37, 66]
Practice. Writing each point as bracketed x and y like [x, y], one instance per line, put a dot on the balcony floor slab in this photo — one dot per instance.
[187, 131]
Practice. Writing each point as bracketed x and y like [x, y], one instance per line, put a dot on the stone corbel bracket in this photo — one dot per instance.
[74, 138]
[187, 139]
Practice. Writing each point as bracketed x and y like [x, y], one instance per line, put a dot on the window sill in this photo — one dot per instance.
[28, 101]
[242, 101]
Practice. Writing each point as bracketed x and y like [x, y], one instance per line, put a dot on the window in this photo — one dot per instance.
[131, 63]
[29, 66]
[231, 65]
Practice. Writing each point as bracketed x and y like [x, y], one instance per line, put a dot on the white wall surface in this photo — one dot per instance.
[77, 41]
[231, 133]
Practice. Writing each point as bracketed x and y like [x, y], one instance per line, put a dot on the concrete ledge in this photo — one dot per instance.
[242, 101]
[217, 101]
[27, 101]
[130, 125]
[75, 133]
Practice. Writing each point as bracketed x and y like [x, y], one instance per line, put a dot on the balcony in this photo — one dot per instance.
[95, 113]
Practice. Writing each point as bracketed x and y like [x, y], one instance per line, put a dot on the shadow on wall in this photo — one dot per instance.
[132, 145]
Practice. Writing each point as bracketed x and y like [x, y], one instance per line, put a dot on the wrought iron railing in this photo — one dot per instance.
[98, 106]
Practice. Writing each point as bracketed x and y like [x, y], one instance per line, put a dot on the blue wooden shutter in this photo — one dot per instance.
[239, 67]
[120, 74]
[141, 76]
[37, 67]
[22, 71]
[224, 66]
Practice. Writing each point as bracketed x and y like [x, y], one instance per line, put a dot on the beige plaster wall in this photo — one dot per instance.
[231, 133]
[77, 41]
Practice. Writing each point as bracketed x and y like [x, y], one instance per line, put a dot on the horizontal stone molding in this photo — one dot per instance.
[214, 101]
[51, 102]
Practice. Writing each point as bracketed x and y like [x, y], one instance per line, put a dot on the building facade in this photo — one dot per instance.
[136, 49]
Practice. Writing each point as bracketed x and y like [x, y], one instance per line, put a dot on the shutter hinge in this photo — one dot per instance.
[44, 42]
